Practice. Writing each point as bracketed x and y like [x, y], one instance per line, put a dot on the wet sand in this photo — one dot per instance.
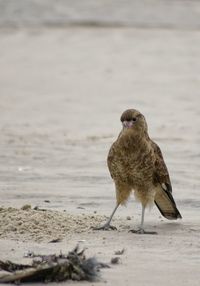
[62, 93]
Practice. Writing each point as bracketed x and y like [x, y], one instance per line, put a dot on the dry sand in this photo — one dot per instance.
[171, 256]
[42, 225]
[62, 91]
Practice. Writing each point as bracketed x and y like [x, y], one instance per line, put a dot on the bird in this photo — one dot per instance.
[136, 165]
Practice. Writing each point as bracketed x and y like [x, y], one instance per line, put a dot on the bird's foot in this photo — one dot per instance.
[142, 231]
[105, 227]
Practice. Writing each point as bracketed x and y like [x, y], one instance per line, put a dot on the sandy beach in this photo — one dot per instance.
[62, 91]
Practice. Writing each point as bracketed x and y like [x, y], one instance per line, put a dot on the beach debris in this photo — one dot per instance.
[55, 240]
[11, 267]
[119, 252]
[49, 268]
[29, 254]
[115, 260]
[37, 208]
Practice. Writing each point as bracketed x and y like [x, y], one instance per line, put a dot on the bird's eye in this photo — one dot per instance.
[134, 118]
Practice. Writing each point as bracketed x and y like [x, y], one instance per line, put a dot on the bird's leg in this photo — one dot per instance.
[107, 225]
[142, 219]
[141, 228]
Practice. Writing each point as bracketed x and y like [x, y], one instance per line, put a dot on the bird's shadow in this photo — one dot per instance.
[169, 226]
[172, 227]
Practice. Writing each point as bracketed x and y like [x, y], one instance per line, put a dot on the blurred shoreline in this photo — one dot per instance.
[165, 14]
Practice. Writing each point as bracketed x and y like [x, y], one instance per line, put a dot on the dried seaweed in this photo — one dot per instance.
[115, 260]
[48, 268]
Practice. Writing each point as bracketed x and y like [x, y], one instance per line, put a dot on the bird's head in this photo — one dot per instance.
[133, 120]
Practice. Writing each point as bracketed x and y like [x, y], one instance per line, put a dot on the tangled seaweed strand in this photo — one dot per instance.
[49, 268]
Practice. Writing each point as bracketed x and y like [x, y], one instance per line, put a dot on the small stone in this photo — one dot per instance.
[119, 252]
[26, 207]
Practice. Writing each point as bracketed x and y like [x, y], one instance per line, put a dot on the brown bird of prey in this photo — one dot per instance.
[136, 164]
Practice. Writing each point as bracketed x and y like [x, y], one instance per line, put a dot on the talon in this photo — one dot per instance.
[142, 231]
[105, 227]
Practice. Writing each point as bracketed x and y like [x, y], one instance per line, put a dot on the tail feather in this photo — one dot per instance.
[166, 204]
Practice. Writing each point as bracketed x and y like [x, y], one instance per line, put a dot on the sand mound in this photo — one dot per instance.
[43, 225]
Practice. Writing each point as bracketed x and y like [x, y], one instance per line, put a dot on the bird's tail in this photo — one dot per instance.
[166, 204]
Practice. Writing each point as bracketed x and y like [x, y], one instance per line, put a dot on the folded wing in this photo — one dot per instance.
[163, 198]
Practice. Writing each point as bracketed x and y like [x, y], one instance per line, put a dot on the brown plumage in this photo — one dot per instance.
[136, 164]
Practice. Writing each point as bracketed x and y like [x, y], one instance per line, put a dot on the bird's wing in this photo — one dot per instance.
[110, 159]
[163, 198]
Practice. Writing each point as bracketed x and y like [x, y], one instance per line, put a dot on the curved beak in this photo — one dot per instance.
[127, 124]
